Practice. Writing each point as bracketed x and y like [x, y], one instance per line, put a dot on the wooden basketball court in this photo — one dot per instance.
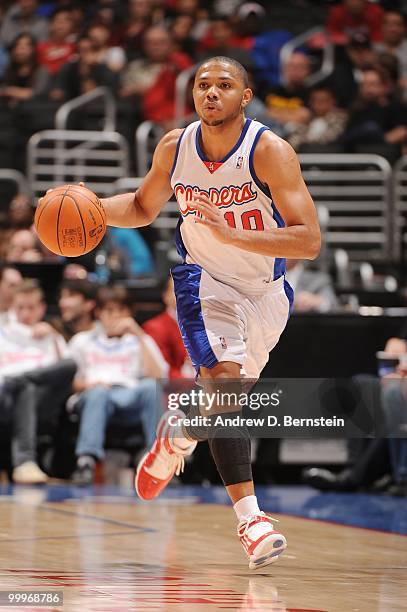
[117, 554]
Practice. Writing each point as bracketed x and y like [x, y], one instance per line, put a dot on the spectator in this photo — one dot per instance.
[165, 332]
[181, 32]
[10, 279]
[137, 22]
[220, 42]
[264, 44]
[24, 78]
[249, 21]
[134, 250]
[31, 348]
[112, 57]
[154, 77]
[23, 246]
[257, 109]
[375, 120]
[313, 289]
[389, 65]
[196, 11]
[287, 104]
[354, 17]
[82, 75]
[394, 41]
[21, 212]
[21, 18]
[54, 52]
[77, 301]
[326, 124]
[78, 17]
[394, 400]
[344, 81]
[373, 460]
[117, 364]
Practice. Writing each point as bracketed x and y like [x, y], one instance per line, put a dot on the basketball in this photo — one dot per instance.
[70, 220]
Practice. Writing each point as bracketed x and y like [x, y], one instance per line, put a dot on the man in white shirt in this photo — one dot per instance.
[117, 367]
[10, 278]
[31, 369]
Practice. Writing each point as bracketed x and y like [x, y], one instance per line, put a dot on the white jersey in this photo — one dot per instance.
[20, 352]
[245, 201]
[115, 361]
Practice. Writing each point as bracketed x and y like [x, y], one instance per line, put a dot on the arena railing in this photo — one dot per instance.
[328, 53]
[400, 210]
[63, 156]
[356, 191]
[8, 175]
[100, 93]
[147, 136]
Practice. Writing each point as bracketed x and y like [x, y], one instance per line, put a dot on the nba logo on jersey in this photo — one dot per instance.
[223, 342]
[239, 163]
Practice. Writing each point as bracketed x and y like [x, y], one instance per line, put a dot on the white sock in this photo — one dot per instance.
[179, 439]
[245, 507]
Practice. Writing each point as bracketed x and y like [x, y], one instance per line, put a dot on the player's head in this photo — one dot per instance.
[221, 90]
[29, 302]
[77, 300]
[113, 304]
[10, 279]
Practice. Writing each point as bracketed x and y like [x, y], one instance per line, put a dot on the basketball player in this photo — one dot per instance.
[244, 209]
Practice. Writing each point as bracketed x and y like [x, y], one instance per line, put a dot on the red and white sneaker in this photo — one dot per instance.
[262, 543]
[162, 462]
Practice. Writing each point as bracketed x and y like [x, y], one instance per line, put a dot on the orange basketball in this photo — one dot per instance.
[70, 220]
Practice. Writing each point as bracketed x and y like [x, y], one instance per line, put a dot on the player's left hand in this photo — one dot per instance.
[212, 218]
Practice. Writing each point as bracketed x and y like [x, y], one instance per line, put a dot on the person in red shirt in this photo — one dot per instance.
[152, 78]
[59, 47]
[165, 332]
[354, 16]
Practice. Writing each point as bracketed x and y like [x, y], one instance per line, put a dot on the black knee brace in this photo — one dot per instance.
[229, 444]
[230, 448]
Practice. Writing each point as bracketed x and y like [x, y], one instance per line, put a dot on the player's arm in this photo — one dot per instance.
[141, 208]
[277, 166]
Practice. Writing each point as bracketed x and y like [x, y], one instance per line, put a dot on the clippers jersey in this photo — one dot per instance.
[245, 201]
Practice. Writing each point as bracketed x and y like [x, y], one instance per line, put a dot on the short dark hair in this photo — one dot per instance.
[82, 286]
[221, 59]
[30, 285]
[325, 88]
[117, 294]
[59, 11]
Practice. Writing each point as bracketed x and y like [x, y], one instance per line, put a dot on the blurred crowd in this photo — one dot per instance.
[91, 360]
[51, 52]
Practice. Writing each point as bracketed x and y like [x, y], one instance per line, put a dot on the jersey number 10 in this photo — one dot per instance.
[251, 219]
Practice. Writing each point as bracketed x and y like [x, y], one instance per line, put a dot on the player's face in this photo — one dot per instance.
[28, 308]
[219, 94]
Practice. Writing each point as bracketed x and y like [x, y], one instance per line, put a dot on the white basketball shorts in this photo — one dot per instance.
[219, 323]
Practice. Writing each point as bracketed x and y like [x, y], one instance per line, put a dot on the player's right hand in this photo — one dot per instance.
[81, 184]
